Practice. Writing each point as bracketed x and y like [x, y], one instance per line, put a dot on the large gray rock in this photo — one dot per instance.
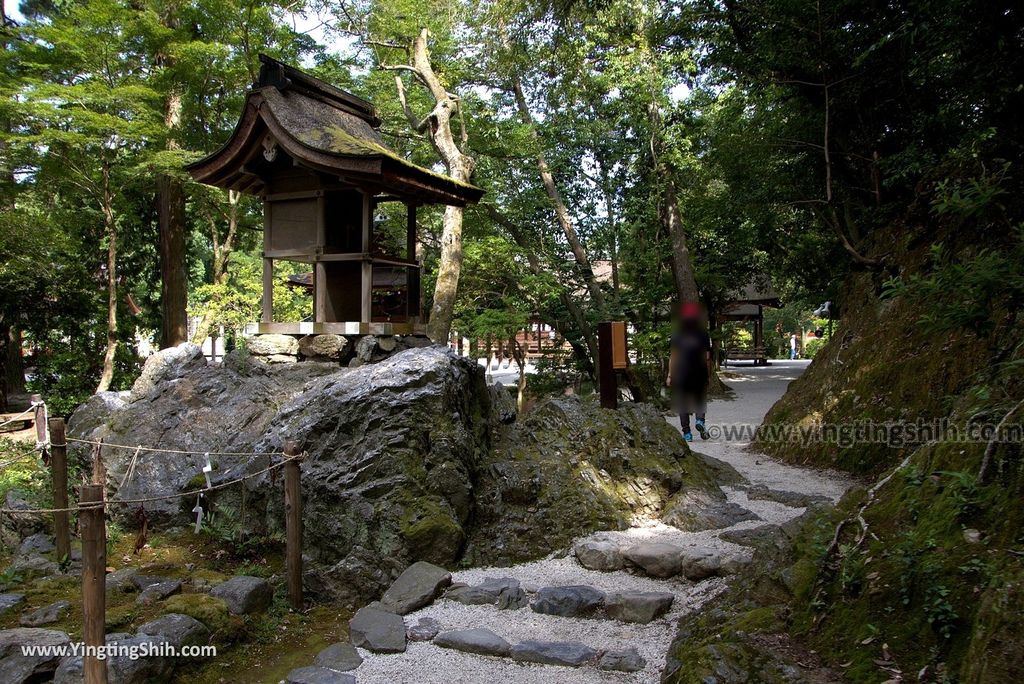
[341, 656]
[121, 668]
[638, 606]
[416, 587]
[571, 601]
[503, 592]
[568, 653]
[15, 526]
[36, 543]
[599, 554]
[314, 674]
[18, 668]
[377, 630]
[704, 509]
[178, 630]
[655, 558]
[47, 615]
[123, 580]
[478, 640]
[244, 594]
[33, 565]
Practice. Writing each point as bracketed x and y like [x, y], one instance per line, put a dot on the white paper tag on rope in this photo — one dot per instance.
[198, 510]
[207, 469]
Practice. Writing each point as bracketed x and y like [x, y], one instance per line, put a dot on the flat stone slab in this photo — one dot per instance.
[377, 630]
[596, 554]
[622, 660]
[341, 656]
[503, 592]
[314, 674]
[46, 615]
[179, 630]
[638, 606]
[570, 601]
[158, 592]
[424, 630]
[244, 594]
[478, 640]
[656, 559]
[416, 587]
[568, 653]
[143, 582]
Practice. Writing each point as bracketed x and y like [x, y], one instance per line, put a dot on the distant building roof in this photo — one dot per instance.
[326, 130]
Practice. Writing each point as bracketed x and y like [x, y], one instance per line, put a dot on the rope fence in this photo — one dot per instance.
[52, 443]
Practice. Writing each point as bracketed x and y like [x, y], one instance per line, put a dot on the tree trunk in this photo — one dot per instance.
[682, 265]
[171, 209]
[110, 227]
[460, 166]
[561, 211]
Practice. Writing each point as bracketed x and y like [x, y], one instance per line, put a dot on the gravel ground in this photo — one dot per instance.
[756, 390]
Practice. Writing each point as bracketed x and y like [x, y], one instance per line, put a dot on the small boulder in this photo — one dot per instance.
[571, 601]
[34, 564]
[16, 667]
[597, 554]
[568, 653]
[179, 630]
[655, 558]
[143, 582]
[700, 563]
[158, 592]
[365, 348]
[314, 674]
[244, 594]
[622, 660]
[273, 345]
[377, 630]
[122, 580]
[323, 347]
[10, 600]
[46, 615]
[638, 606]
[503, 592]
[477, 640]
[341, 656]
[415, 588]
[36, 543]
[425, 629]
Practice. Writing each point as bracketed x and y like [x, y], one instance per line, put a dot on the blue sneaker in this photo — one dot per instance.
[704, 434]
[688, 436]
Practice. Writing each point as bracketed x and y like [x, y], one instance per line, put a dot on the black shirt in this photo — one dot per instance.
[691, 367]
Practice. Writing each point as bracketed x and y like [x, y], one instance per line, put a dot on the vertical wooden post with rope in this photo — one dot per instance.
[39, 418]
[59, 472]
[94, 582]
[293, 524]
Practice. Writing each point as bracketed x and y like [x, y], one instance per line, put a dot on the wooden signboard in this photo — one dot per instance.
[619, 358]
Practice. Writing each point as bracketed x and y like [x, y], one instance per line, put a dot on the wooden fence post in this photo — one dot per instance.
[94, 579]
[293, 525]
[39, 418]
[59, 472]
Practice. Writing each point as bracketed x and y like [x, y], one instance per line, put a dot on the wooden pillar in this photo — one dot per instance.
[293, 526]
[412, 302]
[267, 305]
[59, 471]
[39, 418]
[609, 390]
[366, 293]
[94, 580]
[319, 267]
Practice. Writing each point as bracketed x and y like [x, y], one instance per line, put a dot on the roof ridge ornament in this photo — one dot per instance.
[269, 148]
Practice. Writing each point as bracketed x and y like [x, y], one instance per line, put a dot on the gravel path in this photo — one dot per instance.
[423, 663]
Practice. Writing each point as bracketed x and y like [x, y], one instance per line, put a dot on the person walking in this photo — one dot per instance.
[792, 347]
[689, 368]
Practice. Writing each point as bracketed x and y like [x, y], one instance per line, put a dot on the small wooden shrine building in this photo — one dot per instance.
[314, 153]
[748, 306]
